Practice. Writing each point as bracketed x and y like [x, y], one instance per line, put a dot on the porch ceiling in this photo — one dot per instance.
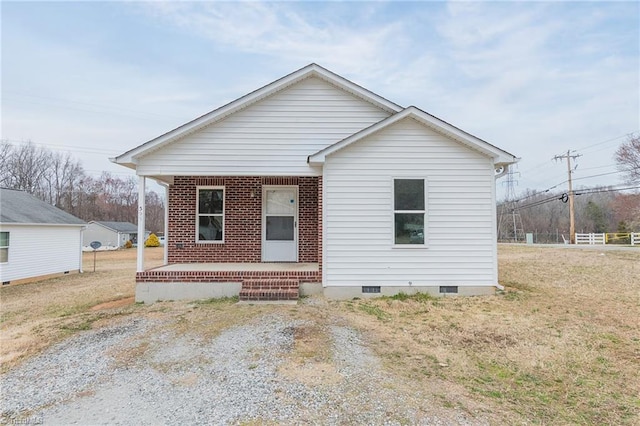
[241, 267]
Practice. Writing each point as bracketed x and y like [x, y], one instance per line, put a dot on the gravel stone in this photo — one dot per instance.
[230, 379]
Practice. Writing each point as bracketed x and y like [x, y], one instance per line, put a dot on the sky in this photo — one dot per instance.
[537, 79]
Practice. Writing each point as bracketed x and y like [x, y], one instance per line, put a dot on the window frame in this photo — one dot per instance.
[425, 242]
[198, 214]
[7, 246]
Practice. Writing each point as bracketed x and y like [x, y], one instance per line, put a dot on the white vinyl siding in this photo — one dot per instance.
[41, 250]
[271, 137]
[358, 211]
[107, 237]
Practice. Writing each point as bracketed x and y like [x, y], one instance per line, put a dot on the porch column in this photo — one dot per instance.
[166, 224]
[141, 225]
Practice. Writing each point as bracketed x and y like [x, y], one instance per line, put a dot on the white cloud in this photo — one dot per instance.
[281, 31]
[533, 78]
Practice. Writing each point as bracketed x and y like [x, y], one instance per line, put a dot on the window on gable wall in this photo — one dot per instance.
[409, 211]
[4, 247]
[210, 214]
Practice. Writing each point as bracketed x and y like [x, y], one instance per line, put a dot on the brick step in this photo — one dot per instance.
[269, 289]
[271, 284]
[256, 294]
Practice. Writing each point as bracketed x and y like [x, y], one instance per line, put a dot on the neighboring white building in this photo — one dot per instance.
[341, 186]
[37, 240]
[111, 235]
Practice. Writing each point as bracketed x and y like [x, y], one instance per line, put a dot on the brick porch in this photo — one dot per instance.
[260, 281]
[239, 258]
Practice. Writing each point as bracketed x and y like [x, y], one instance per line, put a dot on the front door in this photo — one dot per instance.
[280, 224]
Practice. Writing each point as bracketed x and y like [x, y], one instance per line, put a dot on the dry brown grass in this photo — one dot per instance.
[35, 315]
[560, 346]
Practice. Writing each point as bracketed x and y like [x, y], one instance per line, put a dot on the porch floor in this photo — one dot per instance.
[240, 267]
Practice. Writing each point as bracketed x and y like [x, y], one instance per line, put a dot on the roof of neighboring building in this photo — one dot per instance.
[123, 227]
[18, 207]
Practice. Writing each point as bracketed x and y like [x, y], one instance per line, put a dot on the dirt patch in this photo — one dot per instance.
[114, 304]
[310, 361]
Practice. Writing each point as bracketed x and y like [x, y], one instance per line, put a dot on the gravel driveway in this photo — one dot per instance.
[105, 376]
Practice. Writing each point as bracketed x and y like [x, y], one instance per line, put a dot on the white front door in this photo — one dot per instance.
[280, 224]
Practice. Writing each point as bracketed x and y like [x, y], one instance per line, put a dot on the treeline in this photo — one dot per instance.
[59, 179]
[547, 217]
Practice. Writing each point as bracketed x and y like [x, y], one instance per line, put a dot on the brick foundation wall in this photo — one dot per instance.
[152, 276]
[320, 207]
[243, 219]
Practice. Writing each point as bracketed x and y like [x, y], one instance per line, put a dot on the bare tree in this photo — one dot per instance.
[6, 151]
[626, 209]
[59, 179]
[25, 167]
[628, 159]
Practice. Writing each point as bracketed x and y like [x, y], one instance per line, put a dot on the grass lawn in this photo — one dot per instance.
[561, 345]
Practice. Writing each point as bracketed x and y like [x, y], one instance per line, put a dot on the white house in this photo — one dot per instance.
[110, 234]
[37, 240]
[313, 183]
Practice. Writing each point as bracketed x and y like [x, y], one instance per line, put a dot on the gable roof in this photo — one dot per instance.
[18, 207]
[129, 158]
[122, 227]
[500, 157]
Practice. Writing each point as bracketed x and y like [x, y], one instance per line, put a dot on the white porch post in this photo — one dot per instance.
[166, 224]
[141, 224]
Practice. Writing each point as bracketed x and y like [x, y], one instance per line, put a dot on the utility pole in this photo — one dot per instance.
[509, 208]
[572, 220]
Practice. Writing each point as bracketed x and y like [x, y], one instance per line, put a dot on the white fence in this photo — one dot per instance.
[633, 238]
[590, 239]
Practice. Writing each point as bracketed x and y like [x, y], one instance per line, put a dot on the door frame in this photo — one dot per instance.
[263, 218]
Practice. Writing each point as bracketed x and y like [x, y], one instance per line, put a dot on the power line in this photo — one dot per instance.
[606, 141]
[564, 197]
[597, 167]
[601, 174]
[107, 109]
[598, 190]
[69, 148]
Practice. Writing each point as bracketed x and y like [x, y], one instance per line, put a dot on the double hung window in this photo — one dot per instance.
[409, 211]
[210, 215]
[4, 247]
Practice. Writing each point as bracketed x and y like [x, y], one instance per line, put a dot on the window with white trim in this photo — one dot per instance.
[210, 215]
[4, 247]
[409, 211]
